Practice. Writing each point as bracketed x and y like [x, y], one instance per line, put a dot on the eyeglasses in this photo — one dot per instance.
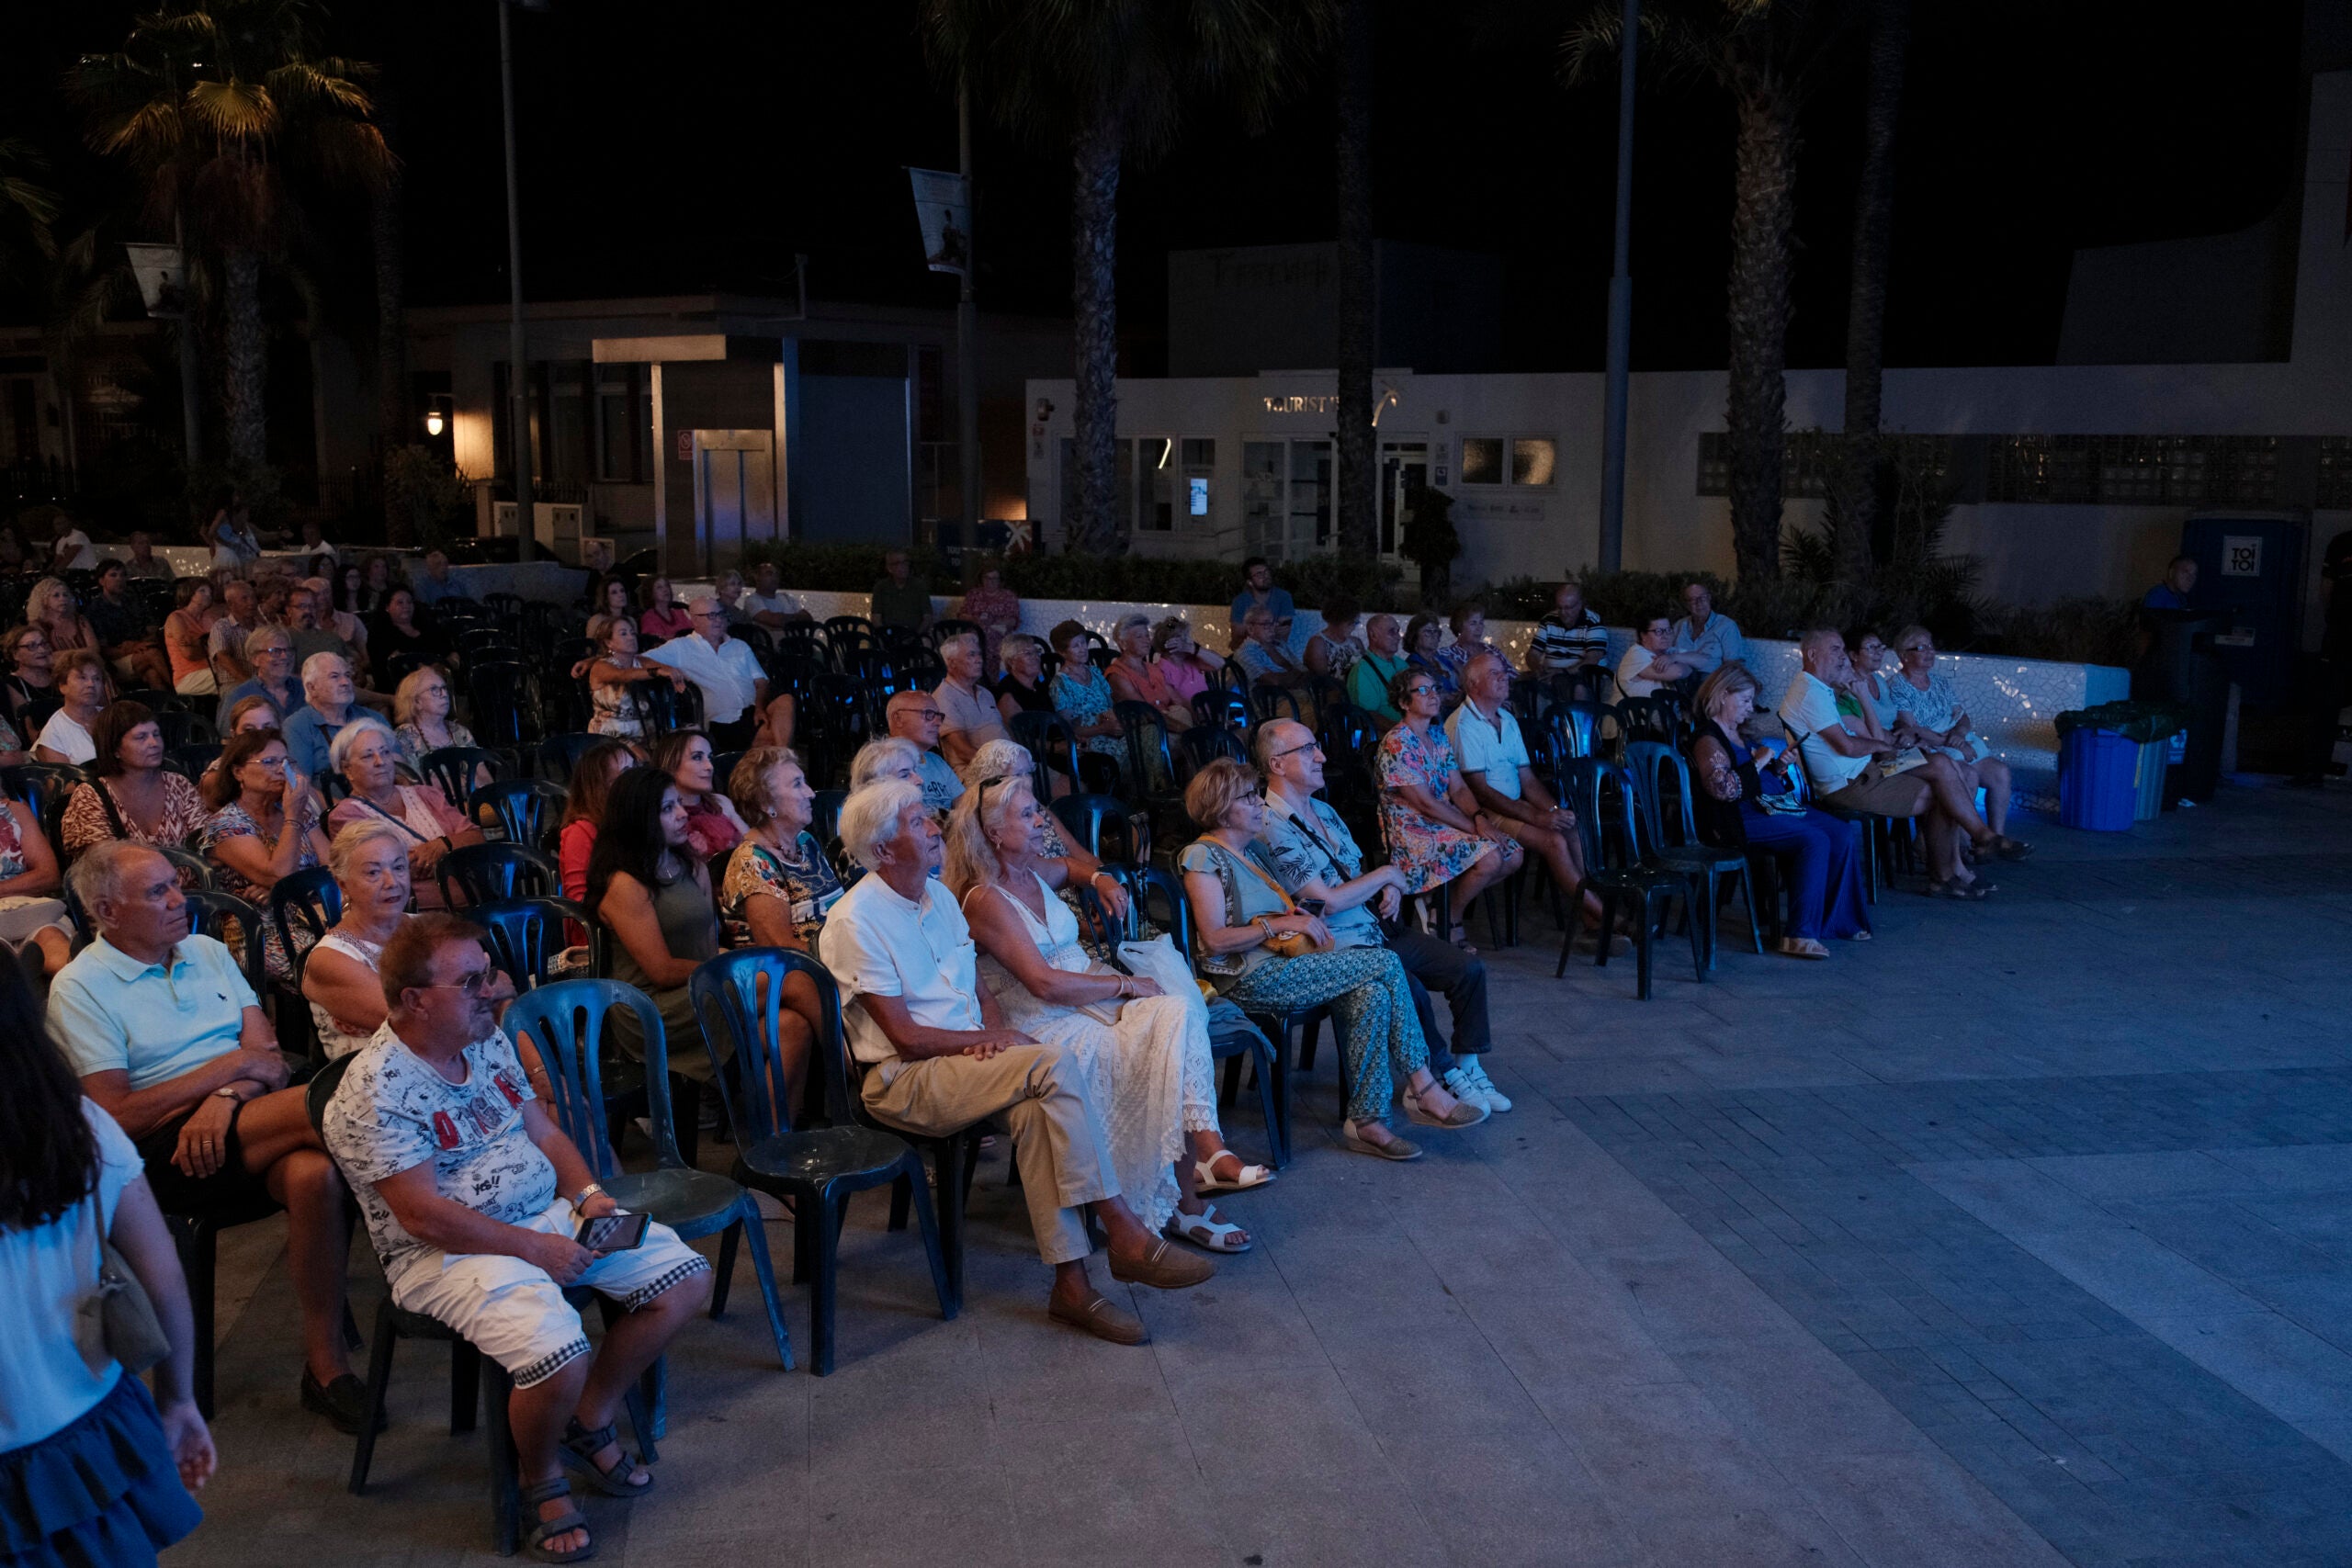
[1292, 751]
[1411, 691]
[930, 713]
[472, 983]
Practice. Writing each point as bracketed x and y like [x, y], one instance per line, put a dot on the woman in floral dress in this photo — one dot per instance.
[1435, 831]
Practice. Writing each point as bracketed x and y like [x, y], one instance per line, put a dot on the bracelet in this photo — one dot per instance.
[591, 1190]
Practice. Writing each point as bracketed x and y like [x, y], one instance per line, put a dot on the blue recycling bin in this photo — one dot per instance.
[2098, 783]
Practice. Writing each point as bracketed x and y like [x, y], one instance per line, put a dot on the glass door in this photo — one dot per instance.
[1404, 467]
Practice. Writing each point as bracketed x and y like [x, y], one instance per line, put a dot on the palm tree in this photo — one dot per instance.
[1866, 299]
[1359, 486]
[214, 103]
[27, 209]
[1765, 53]
[1107, 81]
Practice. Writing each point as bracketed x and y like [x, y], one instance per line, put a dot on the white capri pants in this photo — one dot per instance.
[515, 1312]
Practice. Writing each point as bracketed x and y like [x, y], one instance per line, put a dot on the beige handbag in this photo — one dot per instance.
[116, 1322]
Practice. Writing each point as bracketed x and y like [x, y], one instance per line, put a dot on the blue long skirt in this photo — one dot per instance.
[1825, 884]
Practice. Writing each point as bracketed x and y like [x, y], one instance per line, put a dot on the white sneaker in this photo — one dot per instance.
[1463, 1087]
[1485, 1087]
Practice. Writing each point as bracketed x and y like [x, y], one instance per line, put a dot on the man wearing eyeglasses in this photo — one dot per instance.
[1316, 857]
[475, 1200]
[734, 688]
[915, 718]
[168, 1037]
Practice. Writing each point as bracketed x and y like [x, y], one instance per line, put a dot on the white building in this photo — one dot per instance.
[2070, 479]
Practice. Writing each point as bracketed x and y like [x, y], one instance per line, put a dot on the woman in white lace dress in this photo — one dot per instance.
[1145, 1054]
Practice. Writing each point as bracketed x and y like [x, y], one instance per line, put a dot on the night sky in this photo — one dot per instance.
[694, 146]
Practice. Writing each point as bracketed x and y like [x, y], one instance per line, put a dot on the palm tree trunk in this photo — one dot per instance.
[1866, 298]
[393, 407]
[1095, 245]
[1763, 215]
[244, 359]
[1359, 496]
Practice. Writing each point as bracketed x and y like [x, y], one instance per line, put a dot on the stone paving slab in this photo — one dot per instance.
[2017, 1236]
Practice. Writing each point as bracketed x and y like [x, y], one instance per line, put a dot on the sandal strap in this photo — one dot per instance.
[587, 1442]
[543, 1491]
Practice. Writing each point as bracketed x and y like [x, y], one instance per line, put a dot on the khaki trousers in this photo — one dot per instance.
[1057, 1133]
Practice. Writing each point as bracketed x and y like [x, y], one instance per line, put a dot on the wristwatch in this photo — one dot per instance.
[229, 1092]
[591, 1190]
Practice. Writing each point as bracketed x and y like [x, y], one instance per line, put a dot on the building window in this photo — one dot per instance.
[1482, 460]
[1531, 458]
[2133, 471]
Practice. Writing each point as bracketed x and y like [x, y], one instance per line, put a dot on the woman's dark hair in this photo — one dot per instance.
[630, 837]
[328, 573]
[49, 1154]
[645, 593]
[220, 785]
[592, 780]
[116, 722]
[1422, 623]
[1463, 612]
[1058, 638]
[1341, 609]
[349, 581]
[670, 755]
[1399, 680]
[185, 590]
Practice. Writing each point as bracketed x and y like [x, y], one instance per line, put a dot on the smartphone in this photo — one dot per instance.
[1310, 906]
[613, 1233]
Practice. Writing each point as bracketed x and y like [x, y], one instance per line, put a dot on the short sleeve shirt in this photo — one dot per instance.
[395, 1111]
[107, 1011]
[51, 1269]
[1560, 644]
[1809, 707]
[805, 880]
[1316, 846]
[941, 787]
[1482, 747]
[972, 714]
[728, 674]
[1637, 659]
[878, 944]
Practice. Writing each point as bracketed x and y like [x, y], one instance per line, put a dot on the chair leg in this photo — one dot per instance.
[1702, 930]
[1641, 944]
[380, 1374]
[755, 1235]
[1607, 927]
[728, 1239]
[199, 1248]
[948, 1229]
[817, 1218]
[947, 1273]
[505, 1487]
[1747, 875]
[1232, 1086]
[642, 1418]
[1268, 1109]
[899, 1204]
[802, 1234]
[1309, 1034]
[465, 1388]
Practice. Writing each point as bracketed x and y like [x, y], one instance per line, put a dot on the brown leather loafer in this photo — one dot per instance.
[1101, 1319]
[1165, 1268]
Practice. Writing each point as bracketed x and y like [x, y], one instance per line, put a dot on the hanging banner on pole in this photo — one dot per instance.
[944, 208]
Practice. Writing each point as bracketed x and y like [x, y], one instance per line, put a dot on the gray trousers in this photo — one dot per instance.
[1432, 965]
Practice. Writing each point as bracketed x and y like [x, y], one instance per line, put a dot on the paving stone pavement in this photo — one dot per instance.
[2020, 1235]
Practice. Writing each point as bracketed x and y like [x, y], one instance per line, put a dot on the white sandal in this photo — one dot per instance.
[1207, 1185]
[1208, 1234]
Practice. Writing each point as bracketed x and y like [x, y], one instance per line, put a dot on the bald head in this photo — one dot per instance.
[915, 715]
[1289, 758]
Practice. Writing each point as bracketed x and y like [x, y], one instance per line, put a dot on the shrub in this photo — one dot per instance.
[2087, 630]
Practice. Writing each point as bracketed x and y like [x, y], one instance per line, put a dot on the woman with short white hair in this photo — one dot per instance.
[366, 754]
[370, 862]
[886, 757]
[1145, 1054]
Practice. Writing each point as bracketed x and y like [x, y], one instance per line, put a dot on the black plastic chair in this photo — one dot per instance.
[1622, 879]
[505, 703]
[668, 708]
[825, 819]
[190, 760]
[1271, 703]
[1203, 743]
[1051, 746]
[1090, 818]
[307, 900]
[559, 754]
[527, 935]
[820, 1168]
[45, 788]
[1581, 730]
[196, 872]
[566, 1021]
[1216, 707]
[181, 727]
[487, 873]
[1152, 781]
[451, 768]
[1648, 762]
[1654, 719]
[225, 917]
[527, 810]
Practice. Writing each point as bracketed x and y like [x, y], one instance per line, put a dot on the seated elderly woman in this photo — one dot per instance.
[614, 671]
[1145, 1054]
[1747, 800]
[1009, 759]
[1183, 664]
[1268, 956]
[1082, 697]
[652, 892]
[135, 797]
[1929, 716]
[1136, 677]
[421, 713]
[779, 885]
[366, 754]
[370, 862]
[1434, 827]
[264, 826]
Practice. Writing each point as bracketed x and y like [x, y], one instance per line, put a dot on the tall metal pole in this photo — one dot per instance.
[967, 328]
[1621, 311]
[191, 378]
[518, 365]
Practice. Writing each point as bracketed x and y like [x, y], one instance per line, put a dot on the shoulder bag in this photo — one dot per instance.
[116, 1322]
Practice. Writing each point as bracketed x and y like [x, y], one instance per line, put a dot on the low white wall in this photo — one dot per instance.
[2014, 702]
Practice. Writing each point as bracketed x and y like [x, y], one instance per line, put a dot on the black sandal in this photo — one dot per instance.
[580, 1447]
[1966, 892]
[543, 1530]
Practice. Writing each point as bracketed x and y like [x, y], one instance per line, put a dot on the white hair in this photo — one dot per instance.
[961, 640]
[316, 665]
[97, 874]
[350, 735]
[871, 817]
[877, 757]
[999, 759]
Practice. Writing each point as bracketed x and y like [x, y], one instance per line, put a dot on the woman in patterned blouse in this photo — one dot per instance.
[133, 796]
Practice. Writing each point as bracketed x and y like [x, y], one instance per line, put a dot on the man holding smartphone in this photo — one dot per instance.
[1322, 869]
[473, 1197]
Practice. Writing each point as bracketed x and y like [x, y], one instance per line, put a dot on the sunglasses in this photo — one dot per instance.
[472, 983]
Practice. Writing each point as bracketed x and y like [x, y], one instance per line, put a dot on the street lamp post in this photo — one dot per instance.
[518, 367]
[967, 333]
[1621, 311]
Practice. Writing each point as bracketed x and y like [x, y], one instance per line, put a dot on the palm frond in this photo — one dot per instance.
[235, 110]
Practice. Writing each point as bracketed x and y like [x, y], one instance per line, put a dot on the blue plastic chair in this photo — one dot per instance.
[487, 873]
[527, 808]
[1051, 745]
[566, 1022]
[739, 995]
[526, 936]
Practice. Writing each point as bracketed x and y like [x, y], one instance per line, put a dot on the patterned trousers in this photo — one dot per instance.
[1380, 1034]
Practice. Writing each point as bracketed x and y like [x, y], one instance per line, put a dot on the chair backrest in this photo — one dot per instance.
[196, 872]
[451, 768]
[559, 755]
[1662, 780]
[190, 760]
[181, 727]
[739, 997]
[1088, 817]
[309, 900]
[1271, 703]
[565, 1023]
[1218, 707]
[1578, 729]
[1655, 719]
[1050, 745]
[321, 1089]
[825, 815]
[208, 914]
[487, 873]
[940, 630]
[527, 808]
[1150, 767]
[505, 703]
[1159, 895]
[754, 637]
[44, 787]
[527, 935]
[1203, 743]
[1602, 795]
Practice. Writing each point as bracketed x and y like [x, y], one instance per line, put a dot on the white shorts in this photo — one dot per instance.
[515, 1312]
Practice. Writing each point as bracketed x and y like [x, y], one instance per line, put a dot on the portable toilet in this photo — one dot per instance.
[2250, 569]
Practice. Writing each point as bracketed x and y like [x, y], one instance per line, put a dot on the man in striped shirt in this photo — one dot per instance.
[1569, 640]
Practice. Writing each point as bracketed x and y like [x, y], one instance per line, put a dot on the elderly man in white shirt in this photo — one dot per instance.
[734, 688]
[937, 1056]
[1493, 756]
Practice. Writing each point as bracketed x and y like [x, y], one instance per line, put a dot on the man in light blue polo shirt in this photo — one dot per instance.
[1702, 639]
[328, 696]
[168, 1038]
[1485, 736]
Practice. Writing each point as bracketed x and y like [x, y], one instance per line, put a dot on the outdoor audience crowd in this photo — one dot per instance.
[973, 940]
